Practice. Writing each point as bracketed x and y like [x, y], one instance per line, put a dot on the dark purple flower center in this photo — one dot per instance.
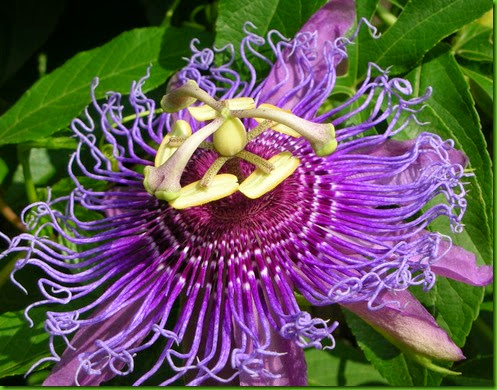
[237, 210]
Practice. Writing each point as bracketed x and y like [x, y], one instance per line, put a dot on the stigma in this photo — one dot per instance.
[229, 140]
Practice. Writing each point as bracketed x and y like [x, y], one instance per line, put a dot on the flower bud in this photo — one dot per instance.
[407, 324]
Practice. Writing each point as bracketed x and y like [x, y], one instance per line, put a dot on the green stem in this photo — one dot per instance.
[52, 143]
[7, 269]
[169, 14]
[42, 65]
[23, 156]
[386, 16]
[10, 216]
[140, 115]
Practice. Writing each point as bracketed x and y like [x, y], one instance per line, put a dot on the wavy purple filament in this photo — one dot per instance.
[341, 229]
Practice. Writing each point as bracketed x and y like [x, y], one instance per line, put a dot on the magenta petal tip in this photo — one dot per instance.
[405, 322]
[460, 264]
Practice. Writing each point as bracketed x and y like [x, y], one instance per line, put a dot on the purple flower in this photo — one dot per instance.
[216, 282]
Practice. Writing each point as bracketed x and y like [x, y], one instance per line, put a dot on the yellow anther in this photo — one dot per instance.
[195, 195]
[206, 113]
[259, 183]
[230, 138]
[279, 127]
[180, 128]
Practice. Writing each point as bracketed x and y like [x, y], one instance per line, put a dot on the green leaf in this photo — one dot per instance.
[147, 358]
[290, 16]
[420, 26]
[487, 306]
[66, 185]
[4, 169]
[480, 75]
[20, 345]
[474, 42]
[392, 364]
[37, 378]
[484, 82]
[454, 305]
[475, 372]
[51, 103]
[451, 114]
[479, 344]
[41, 166]
[285, 16]
[364, 9]
[233, 14]
[342, 366]
[13, 298]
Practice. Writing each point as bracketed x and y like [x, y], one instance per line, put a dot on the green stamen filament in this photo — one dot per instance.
[213, 170]
[256, 160]
[252, 158]
[259, 129]
[140, 115]
[207, 145]
[176, 142]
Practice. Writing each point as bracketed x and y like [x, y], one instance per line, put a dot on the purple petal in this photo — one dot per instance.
[64, 372]
[409, 324]
[460, 265]
[330, 22]
[291, 366]
[392, 148]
